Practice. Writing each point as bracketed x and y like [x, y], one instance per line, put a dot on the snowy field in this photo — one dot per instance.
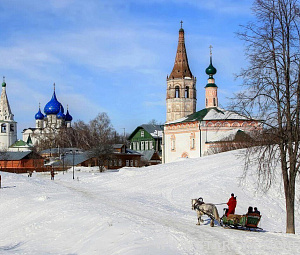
[140, 211]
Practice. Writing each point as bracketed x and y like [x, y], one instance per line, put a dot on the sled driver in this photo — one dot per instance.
[231, 205]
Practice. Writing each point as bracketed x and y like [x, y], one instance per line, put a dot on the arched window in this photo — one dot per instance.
[214, 102]
[187, 92]
[206, 101]
[3, 128]
[12, 127]
[177, 92]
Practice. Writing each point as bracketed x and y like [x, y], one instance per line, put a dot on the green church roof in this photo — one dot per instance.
[211, 85]
[198, 116]
[20, 143]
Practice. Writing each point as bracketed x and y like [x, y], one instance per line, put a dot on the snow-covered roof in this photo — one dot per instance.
[206, 114]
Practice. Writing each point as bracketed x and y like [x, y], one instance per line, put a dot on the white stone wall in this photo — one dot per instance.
[8, 137]
[178, 137]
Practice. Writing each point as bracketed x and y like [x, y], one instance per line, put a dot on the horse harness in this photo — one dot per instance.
[196, 206]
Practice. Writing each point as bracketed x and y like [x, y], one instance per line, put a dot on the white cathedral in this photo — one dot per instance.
[48, 123]
[8, 134]
[189, 133]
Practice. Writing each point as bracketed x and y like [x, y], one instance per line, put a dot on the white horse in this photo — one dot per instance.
[208, 209]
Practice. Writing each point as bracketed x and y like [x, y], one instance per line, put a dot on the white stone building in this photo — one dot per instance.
[48, 123]
[191, 134]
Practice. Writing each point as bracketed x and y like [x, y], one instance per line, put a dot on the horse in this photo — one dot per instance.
[208, 209]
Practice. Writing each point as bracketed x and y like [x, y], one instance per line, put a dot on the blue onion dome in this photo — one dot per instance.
[60, 115]
[211, 70]
[53, 106]
[39, 115]
[68, 116]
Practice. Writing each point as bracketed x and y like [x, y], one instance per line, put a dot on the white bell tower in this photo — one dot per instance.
[8, 129]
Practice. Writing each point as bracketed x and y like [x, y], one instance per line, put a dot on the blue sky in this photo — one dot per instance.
[114, 56]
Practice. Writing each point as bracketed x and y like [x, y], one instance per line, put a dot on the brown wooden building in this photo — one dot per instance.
[21, 162]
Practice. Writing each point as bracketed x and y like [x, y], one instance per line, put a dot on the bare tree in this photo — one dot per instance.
[102, 137]
[272, 93]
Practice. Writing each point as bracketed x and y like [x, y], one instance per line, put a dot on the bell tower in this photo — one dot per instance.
[8, 129]
[181, 85]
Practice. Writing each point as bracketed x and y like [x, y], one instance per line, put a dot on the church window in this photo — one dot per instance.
[187, 92]
[214, 102]
[173, 145]
[177, 92]
[206, 102]
[3, 128]
[193, 143]
[142, 133]
[12, 128]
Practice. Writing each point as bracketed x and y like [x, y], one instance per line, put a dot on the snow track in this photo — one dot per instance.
[189, 238]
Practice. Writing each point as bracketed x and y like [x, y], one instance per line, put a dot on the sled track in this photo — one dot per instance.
[195, 239]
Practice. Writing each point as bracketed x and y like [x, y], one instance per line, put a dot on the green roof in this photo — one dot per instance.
[20, 143]
[211, 85]
[199, 116]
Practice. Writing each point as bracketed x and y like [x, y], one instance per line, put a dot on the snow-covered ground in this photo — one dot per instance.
[139, 211]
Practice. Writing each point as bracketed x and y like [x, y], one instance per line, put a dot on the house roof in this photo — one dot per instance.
[68, 159]
[15, 155]
[154, 130]
[207, 114]
[118, 145]
[59, 150]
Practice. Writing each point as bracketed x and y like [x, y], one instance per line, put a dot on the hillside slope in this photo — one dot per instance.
[140, 211]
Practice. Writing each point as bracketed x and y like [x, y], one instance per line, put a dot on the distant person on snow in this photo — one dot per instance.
[52, 174]
[231, 205]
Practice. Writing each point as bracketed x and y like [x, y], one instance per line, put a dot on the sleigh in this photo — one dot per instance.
[244, 222]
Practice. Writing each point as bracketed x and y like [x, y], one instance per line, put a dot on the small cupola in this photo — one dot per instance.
[39, 115]
[68, 116]
[211, 89]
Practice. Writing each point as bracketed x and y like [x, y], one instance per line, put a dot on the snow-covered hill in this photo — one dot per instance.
[140, 211]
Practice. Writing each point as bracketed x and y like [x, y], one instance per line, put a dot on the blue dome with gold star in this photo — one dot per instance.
[53, 106]
[39, 115]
